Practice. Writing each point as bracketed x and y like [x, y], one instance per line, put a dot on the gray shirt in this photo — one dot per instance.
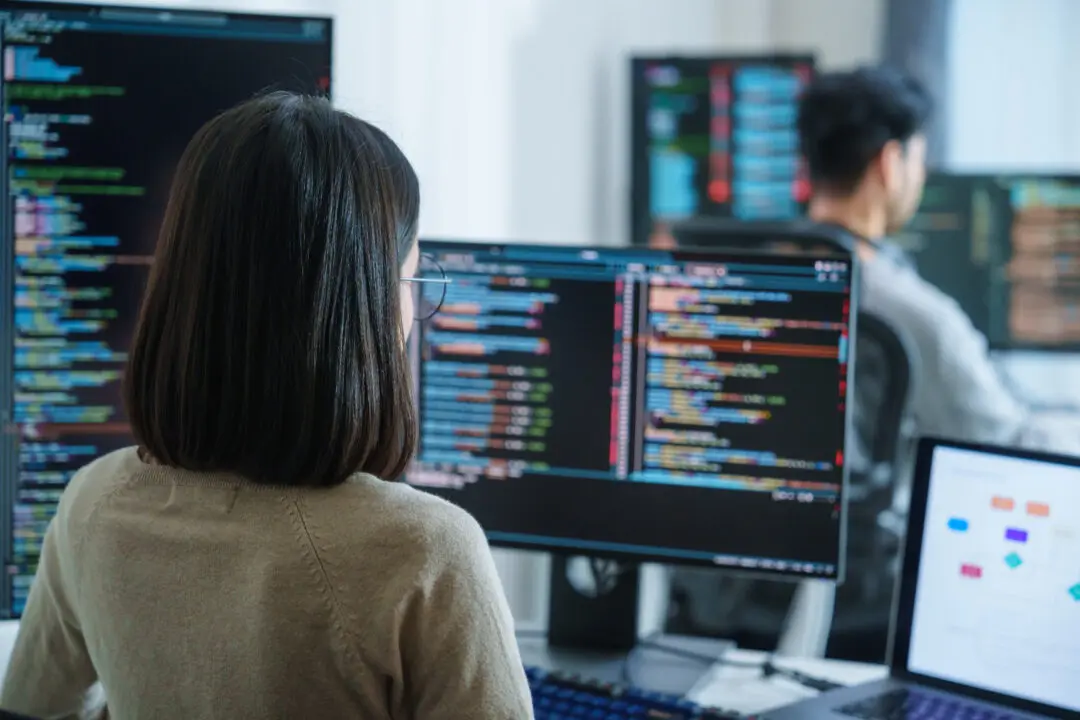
[957, 392]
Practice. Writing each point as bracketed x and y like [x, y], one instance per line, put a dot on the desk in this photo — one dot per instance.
[734, 684]
[745, 690]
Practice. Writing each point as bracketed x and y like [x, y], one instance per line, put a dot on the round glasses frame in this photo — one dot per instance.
[432, 275]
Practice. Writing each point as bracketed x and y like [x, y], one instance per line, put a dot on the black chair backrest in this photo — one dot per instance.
[884, 368]
[796, 236]
[5, 715]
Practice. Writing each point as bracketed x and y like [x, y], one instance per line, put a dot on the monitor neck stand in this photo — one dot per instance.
[593, 631]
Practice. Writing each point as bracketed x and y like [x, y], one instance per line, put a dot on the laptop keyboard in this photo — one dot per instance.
[915, 705]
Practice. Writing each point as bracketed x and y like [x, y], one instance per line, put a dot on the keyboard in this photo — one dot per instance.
[561, 696]
[914, 705]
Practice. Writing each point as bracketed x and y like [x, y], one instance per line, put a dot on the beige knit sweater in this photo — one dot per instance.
[191, 595]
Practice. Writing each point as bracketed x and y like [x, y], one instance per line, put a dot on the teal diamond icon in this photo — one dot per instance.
[1013, 560]
[1075, 592]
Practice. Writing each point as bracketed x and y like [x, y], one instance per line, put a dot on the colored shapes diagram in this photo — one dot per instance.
[958, 524]
[1075, 592]
[1038, 509]
[1016, 535]
[1002, 503]
[971, 571]
[1013, 560]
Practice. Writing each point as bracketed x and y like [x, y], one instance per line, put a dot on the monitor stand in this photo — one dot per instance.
[593, 631]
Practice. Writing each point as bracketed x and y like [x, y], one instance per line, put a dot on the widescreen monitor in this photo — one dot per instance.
[648, 405]
[1007, 248]
[98, 103]
[715, 137]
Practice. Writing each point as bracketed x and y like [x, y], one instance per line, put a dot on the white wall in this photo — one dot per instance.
[842, 33]
[1015, 101]
[514, 111]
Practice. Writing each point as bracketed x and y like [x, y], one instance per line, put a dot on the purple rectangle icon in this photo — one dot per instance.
[1016, 535]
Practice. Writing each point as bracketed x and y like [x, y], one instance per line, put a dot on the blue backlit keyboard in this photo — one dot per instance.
[559, 696]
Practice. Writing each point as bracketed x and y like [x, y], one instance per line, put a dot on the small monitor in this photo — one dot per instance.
[715, 137]
[666, 406]
[99, 102]
[1007, 248]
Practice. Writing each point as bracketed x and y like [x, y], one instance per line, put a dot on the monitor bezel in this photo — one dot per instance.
[706, 254]
[904, 605]
[47, 6]
[640, 217]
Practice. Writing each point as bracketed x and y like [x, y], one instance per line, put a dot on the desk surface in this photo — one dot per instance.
[741, 687]
[737, 685]
[734, 683]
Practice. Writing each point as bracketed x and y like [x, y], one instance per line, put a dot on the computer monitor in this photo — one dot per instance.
[715, 136]
[98, 104]
[1007, 248]
[639, 404]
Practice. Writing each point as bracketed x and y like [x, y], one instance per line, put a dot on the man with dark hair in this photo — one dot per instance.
[862, 136]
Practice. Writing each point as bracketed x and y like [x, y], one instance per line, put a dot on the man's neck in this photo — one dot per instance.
[852, 213]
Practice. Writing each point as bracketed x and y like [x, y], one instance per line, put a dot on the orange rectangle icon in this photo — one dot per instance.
[1038, 509]
[1002, 503]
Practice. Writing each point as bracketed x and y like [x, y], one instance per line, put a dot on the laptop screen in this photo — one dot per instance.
[997, 603]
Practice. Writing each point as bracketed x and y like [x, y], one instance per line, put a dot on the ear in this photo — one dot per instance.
[890, 164]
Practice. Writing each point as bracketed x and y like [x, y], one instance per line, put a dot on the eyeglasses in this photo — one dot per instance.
[432, 282]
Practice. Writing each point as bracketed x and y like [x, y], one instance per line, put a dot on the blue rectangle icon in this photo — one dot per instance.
[958, 524]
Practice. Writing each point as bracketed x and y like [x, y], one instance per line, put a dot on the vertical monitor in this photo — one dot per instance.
[98, 104]
[715, 137]
[641, 404]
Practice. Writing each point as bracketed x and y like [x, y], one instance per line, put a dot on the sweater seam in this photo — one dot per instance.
[320, 568]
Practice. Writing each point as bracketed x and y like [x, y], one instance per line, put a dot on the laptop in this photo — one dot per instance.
[986, 624]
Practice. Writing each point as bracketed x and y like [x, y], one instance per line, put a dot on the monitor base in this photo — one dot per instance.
[593, 631]
[593, 605]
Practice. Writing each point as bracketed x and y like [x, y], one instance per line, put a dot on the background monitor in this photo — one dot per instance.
[715, 136]
[98, 103]
[1007, 248]
[641, 404]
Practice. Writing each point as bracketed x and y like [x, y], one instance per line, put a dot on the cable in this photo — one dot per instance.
[768, 669]
[649, 644]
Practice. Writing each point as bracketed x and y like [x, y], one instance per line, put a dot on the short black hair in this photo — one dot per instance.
[269, 343]
[846, 118]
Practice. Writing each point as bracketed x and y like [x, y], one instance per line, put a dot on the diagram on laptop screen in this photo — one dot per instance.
[998, 599]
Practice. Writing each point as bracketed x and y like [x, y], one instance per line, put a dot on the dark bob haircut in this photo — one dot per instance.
[270, 342]
[845, 119]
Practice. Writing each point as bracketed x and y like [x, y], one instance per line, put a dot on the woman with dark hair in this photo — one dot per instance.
[249, 557]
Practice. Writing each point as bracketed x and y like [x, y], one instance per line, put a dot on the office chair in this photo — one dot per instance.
[756, 614]
[753, 612]
[878, 456]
